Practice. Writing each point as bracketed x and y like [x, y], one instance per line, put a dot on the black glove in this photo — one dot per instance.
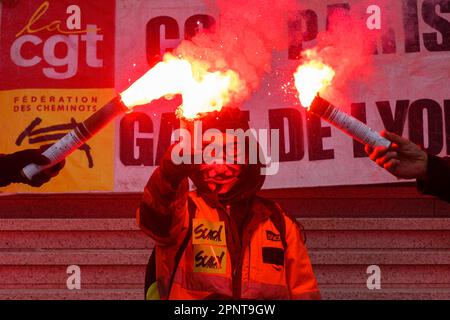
[11, 168]
[175, 173]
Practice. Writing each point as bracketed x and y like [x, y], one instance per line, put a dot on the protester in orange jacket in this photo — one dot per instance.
[221, 241]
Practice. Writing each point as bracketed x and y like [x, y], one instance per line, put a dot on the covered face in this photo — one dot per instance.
[222, 174]
[228, 172]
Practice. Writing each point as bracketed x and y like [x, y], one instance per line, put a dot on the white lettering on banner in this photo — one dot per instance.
[16, 55]
[73, 22]
[91, 39]
[69, 38]
[70, 60]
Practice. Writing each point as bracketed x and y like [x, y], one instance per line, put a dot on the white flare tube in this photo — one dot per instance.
[348, 124]
[78, 136]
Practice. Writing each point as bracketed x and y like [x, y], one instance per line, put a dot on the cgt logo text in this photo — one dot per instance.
[31, 46]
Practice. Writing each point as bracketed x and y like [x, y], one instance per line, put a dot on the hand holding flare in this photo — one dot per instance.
[202, 91]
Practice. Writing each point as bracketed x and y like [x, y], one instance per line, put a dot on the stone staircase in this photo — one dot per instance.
[413, 254]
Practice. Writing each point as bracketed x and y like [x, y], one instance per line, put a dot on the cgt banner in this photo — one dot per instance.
[62, 60]
[57, 67]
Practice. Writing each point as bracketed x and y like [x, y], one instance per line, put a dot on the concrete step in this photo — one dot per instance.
[74, 257]
[341, 293]
[321, 233]
[65, 294]
[140, 257]
[411, 275]
[92, 276]
[380, 257]
[412, 253]
[308, 223]
[74, 240]
[328, 293]
[68, 224]
[435, 239]
[118, 268]
[106, 276]
[72, 234]
[69, 205]
[399, 200]
[375, 223]
[378, 239]
[377, 233]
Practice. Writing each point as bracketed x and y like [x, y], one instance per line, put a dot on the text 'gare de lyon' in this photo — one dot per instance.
[425, 121]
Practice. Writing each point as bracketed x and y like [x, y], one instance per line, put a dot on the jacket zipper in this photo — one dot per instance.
[236, 269]
[236, 275]
[245, 243]
[242, 244]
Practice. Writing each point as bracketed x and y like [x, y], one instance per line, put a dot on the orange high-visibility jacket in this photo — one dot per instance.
[214, 261]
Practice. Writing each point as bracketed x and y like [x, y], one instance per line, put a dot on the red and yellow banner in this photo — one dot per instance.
[58, 68]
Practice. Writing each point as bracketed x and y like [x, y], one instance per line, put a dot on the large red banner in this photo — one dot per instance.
[62, 60]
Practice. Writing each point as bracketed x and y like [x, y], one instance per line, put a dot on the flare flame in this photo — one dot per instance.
[311, 78]
[202, 90]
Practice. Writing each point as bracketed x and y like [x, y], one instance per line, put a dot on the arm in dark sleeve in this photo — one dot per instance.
[4, 181]
[437, 180]
[162, 213]
[11, 166]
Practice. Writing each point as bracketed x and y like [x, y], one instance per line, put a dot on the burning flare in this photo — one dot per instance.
[202, 90]
[311, 78]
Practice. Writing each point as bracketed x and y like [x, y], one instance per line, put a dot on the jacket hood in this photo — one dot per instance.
[250, 180]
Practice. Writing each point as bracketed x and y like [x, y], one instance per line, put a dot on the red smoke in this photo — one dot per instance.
[347, 46]
[244, 38]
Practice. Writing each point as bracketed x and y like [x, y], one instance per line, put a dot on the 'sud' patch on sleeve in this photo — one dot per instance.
[273, 255]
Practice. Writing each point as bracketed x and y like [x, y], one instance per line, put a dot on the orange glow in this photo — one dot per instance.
[311, 78]
[202, 90]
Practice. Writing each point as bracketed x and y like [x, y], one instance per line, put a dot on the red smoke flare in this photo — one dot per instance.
[222, 67]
